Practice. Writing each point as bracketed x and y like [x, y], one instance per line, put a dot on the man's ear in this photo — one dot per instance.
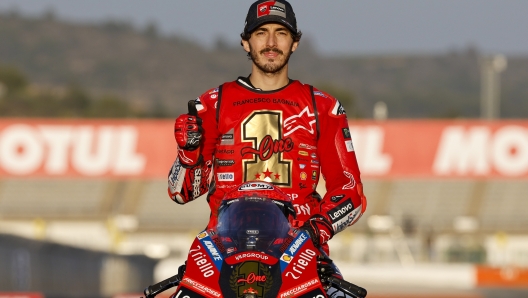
[245, 45]
[295, 45]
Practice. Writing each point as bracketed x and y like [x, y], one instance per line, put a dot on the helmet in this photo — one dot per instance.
[254, 215]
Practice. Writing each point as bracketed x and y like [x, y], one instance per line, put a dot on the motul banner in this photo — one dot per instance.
[146, 148]
[86, 148]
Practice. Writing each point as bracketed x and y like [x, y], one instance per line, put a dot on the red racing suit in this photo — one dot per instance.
[288, 137]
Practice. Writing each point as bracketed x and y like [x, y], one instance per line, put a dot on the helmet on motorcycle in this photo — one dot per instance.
[254, 215]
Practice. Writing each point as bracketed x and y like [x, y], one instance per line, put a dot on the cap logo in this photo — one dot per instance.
[271, 8]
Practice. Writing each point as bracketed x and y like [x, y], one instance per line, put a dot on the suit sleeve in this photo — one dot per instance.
[187, 184]
[344, 201]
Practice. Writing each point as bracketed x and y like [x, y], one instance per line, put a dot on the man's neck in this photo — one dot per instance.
[269, 82]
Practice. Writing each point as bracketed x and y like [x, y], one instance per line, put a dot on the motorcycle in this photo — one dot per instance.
[254, 252]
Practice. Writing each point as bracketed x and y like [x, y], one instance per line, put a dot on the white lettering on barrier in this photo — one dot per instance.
[108, 149]
[477, 151]
[21, 150]
[58, 139]
[369, 150]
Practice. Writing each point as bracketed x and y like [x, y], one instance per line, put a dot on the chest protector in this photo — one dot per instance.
[268, 136]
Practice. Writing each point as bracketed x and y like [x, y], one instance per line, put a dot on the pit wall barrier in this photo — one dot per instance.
[146, 148]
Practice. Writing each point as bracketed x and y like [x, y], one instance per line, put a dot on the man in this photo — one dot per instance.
[268, 127]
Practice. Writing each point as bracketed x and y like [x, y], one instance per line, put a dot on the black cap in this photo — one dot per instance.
[265, 11]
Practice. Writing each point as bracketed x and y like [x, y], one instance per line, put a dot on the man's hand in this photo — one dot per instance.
[188, 134]
[319, 230]
[325, 269]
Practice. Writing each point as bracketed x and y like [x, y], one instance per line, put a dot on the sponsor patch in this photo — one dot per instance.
[302, 166]
[226, 176]
[197, 181]
[337, 198]
[224, 162]
[314, 175]
[255, 186]
[319, 93]
[225, 151]
[228, 138]
[349, 145]
[307, 146]
[346, 133]
[304, 175]
[342, 215]
[176, 177]
[338, 109]
[305, 120]
[303, 153]
[271, 8]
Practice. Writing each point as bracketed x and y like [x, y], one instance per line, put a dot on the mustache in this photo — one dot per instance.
[271, 50]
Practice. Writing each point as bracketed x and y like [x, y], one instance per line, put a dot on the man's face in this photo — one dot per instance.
[270, 47]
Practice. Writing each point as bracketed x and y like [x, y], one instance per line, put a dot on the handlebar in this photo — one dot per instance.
[153, 290]
[347, 287]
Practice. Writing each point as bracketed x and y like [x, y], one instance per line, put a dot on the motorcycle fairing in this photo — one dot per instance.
[293, 248]
[251, 256]
[202, 273]
[299, 268]
[317, 293]
[215, 254]
[183, 292]
[251, 277]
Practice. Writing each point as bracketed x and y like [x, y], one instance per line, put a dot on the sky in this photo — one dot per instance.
[358, 27]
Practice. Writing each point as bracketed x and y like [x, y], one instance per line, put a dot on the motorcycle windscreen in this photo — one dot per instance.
[253, 224]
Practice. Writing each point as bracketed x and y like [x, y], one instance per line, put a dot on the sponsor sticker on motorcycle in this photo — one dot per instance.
[301, 263]
[292, 249]
[185, 292]
[251, 256]
[200, 287]
[255, 186]
[295, 291]
[212, 250]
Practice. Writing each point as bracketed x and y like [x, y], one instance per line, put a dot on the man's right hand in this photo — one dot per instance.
[188, 134]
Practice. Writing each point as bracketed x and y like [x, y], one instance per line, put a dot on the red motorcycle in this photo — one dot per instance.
[253, 251]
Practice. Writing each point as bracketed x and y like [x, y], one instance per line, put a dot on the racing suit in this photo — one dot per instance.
[288, 137]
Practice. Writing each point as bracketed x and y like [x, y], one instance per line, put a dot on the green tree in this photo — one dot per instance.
[12, 79]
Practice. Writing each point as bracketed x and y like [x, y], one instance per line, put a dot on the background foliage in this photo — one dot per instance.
[58, 69]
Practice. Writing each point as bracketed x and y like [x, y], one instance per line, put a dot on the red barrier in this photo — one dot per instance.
[507, 277]
[146, 148]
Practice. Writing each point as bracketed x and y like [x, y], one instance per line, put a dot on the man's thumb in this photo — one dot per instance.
[191, 105]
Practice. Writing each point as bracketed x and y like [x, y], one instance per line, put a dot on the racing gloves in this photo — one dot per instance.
[188, 134]
[319, 230]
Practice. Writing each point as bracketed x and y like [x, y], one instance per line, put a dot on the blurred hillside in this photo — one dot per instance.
[143, 74]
